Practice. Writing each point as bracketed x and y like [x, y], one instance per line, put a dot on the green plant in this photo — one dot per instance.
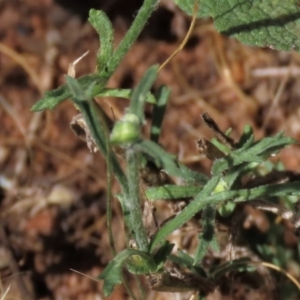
[219, 194]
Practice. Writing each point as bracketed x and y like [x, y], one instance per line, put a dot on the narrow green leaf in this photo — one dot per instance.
[104, 28]
[268, 191]
[162, 254]
[187, 213]
[264, 191]
[230, 266]
[159, 112]
[267, 23]
[188, 175]
[206, 197]
[185, 258]
[131, 36]
[75, 88]
[186, 261]
[54, 97]
[257, 152]
[94, 117]
[207, 237]
[247, 138]
[223, 148]
[138, 97]
[160, 157]
[124, 93]
[171, 191]
[112, 275]
[234, 173]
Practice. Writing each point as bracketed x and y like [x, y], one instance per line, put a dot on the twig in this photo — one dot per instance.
[276, 99]
[292, 71]
[185, 40]
[5, 293]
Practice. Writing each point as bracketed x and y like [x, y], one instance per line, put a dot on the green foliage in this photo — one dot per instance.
[252, 152]
[104, 28]
[188, 7]
[267, 23]
[107, 62]
[138, 97]
[93, 115]
[237, 264]
[184, 260]
[162, 254]
[162, 96]
[255, 22]
[207, 237]
[127, 130]
[199, 202]
[113, 272]
[53, 98]
[132, 202]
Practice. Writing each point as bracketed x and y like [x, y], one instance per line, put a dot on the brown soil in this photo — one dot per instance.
[53, 188]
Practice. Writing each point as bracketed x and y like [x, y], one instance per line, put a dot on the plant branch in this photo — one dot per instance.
[137, 26]
[132, 203]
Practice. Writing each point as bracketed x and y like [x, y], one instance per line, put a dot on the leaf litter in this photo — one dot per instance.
[235, 84]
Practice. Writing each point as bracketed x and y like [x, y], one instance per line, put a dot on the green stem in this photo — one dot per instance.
[132, 205]
[203, 199]
[98, 114]
[132, 34]
[109, 183]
